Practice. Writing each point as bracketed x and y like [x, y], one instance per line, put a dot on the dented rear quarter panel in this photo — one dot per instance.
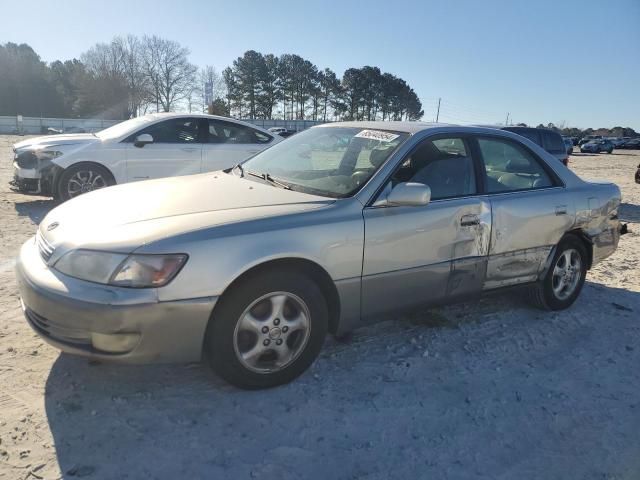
[596, 205]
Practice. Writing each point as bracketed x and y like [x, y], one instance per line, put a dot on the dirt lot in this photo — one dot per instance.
[492, 390]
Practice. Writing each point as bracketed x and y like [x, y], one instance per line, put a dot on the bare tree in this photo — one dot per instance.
[130, 54]
[169, 73]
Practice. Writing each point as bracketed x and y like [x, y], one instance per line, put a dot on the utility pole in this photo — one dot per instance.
[438, 113]
[506, 122]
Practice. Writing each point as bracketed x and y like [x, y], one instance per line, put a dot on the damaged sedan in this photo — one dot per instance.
[340, 226]
[153, 146]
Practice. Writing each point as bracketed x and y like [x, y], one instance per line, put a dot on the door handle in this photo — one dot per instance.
[192, 149]
[561, 209]
[469, 220]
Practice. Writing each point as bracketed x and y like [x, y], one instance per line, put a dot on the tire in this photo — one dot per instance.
[543, 294]
[82, 178]
[247, 320]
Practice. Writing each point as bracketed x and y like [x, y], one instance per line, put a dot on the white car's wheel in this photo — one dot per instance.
[83, 178]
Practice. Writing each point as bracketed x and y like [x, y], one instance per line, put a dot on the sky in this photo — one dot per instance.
[570, 62]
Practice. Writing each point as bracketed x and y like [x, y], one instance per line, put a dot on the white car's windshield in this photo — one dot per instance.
[328, 161]
[123, 128]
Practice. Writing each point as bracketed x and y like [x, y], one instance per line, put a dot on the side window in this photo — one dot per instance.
[445, 165]
[552, 142]
[509, 167]
[228, 132]
[176, 130]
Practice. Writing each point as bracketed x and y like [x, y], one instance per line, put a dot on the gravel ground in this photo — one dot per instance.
[489, 390]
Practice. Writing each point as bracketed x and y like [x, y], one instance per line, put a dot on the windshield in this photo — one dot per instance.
[123, 128]
[328, 161]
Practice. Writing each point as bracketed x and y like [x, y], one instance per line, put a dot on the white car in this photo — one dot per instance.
[152, 146]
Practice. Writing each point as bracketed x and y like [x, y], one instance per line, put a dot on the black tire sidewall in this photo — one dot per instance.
[67, 173]
[219, 341]
[554, 303]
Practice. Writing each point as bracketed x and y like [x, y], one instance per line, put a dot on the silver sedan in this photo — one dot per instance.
[337, 227]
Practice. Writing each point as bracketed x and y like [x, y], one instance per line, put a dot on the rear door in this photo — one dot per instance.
[530, 208]
[416, 255]
[176, 150]
[229, 143]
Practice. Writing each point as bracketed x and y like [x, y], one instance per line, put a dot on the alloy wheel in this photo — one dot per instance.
[566, 274]
[84, 181]
[272, 332]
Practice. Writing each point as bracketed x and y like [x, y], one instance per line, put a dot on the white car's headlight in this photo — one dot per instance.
[47, 154]
[135, 271]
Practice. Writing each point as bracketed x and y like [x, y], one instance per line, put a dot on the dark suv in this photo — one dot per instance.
[548, 139]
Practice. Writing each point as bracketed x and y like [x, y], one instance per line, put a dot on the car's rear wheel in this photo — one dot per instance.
[83, 178]
[267, 330]
[563, 282]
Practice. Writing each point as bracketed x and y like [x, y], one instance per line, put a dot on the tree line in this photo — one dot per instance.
[131, 76]
[579, 132]
[124, 78]
[263, 86]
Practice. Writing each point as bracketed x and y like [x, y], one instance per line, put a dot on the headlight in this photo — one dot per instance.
[136, 271]
[47, 154]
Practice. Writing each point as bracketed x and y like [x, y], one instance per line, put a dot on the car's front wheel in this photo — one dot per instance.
[268, 329]
[83, 178]
[563, 282]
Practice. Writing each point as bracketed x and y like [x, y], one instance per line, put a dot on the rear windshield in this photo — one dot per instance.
[553, 142]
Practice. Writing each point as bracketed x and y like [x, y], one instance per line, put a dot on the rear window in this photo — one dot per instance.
[552, 142]
[529, 133]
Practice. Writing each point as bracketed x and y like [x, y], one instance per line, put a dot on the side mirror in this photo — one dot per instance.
[409, 194]
[142, 140]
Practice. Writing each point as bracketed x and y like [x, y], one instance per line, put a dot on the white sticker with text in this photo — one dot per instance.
[377, 135]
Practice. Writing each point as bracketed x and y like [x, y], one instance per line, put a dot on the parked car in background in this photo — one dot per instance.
[597, 146]
[589, 138]
[633, 144]
[616, 141]
[152, 146]
[282, 131]
[569, 144]
[253, 266]
[548, 139]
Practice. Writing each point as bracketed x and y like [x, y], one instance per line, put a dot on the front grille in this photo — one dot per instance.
[44, 247]
[79, 338]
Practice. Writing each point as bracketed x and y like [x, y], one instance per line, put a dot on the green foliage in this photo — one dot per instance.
[259, 84]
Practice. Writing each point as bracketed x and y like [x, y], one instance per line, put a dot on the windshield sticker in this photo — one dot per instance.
[377, 135]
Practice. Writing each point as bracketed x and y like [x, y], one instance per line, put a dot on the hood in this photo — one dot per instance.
[125, 217]
[62, 139]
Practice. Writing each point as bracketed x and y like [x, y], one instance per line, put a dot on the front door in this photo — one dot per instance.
[176, 150]
[415, 255]
[531, 211]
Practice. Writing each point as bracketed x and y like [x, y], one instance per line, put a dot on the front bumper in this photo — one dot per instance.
[109, 323]
[26, 179]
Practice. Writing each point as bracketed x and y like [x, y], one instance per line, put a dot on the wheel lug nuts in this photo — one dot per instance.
[276, 322]
[266, 342]
[279, 341]
[285, 329]
[265, 329]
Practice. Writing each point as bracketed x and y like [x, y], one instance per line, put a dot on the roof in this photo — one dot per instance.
[407, 127]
